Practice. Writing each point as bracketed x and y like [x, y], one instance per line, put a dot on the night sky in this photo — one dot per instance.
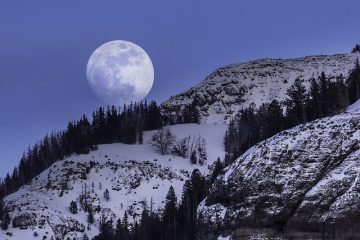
[45, 45]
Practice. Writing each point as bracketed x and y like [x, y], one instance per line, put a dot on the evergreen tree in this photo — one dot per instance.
[118, 230]
[90, 218]
[218, 167]
[247, 131]
[296, 101]
[125, 228]
[190, 113]
[194, 191]
[1, 208]
[169, 216]
[5, 221]
[356, 49]
[231, 142]
[73, 207]
[353, 83]
[275, 119]
[106, 195]
[315, 104]
[198, 186]
[338, 97]
[144, 231]
[193, 157]
[106, 229]
[325, 96]
[153, 117]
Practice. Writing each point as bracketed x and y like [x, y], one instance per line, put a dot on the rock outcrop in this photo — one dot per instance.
[236, 86]
[306, 178]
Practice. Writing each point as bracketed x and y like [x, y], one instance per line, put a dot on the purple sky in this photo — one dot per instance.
[45, 45]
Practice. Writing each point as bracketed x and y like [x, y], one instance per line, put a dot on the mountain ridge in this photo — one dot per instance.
[232, 87]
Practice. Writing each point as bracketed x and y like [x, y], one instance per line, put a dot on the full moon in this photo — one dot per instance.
[120, 72]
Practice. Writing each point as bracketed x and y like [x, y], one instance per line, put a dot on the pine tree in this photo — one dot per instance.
[296, 101]
[170, 213]
[193, 157]
[190, 113]
[274, 118]
[73, 207]
[153, 117]
[106, 195]
[247, 131]
[106, 229]
[5, 221]
[324, 94]
[198, 186]
[353, 83]
[356, 49]
[218, 167]
[118, 230]
[231, 142]
[125, 228]
[144, 228]
[185, 211]
[315, 104]
[338, 97]
[1, 208]
[90, 218]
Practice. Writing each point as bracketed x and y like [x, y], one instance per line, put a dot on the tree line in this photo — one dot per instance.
[325, 97]
[108, 125]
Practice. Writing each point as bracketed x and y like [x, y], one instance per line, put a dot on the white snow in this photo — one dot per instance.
[224, 238]
[117, 168]
[354, 107]
[261, 81]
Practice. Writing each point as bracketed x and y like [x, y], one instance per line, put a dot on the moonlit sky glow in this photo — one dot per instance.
[45, 46]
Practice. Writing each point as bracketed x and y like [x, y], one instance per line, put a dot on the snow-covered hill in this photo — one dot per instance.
[133, 174]
[305, 178]
[230, 88]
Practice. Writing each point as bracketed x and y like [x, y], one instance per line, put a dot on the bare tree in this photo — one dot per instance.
[163, 140]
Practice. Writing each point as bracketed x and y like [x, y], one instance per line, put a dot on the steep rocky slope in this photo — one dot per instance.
[135, 175]
[305, 178]
[232, 87]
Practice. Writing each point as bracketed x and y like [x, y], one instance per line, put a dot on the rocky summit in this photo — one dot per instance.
[233, 87]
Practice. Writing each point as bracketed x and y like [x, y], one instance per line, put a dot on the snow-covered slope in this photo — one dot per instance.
[229, 88]
[354, 107]
[133, 174]
[304, 178]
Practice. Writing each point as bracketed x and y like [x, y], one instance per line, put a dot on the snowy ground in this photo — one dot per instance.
[133, 174]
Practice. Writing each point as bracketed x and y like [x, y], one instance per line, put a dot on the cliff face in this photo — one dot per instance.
[236, 86]
[304, 178]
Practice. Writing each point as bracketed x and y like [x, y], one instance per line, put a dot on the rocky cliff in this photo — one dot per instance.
[305, 178]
